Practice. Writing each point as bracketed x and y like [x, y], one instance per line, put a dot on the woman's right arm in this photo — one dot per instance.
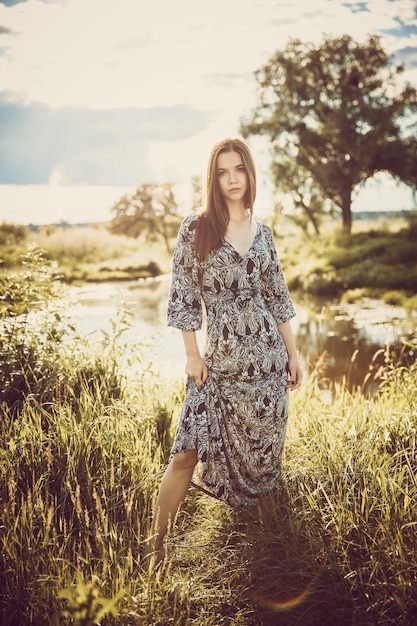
[196, 367]
[184, 302]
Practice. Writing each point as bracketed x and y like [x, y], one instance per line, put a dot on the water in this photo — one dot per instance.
[341, 341]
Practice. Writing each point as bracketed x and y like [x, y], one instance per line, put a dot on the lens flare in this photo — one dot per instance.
[291, 603]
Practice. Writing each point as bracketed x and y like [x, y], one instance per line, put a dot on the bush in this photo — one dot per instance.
[41, 354]
[371, 259]
[395, 297]
[323, 282]
[12, 235]
[412, 225]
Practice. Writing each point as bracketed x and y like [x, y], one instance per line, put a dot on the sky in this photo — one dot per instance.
[100, 96]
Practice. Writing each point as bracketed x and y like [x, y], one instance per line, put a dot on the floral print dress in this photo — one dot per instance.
[237, 419]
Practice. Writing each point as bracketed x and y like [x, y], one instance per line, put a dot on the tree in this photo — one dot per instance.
[151, 210]
[305, 202]
[197, 199]
[338, 113]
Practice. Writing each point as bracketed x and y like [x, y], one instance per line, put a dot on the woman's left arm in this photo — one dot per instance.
[295, 375]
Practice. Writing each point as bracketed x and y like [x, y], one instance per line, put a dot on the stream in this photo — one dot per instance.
[342, 341]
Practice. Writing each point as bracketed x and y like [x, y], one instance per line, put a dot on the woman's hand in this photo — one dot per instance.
[196, 369]
[295, 375]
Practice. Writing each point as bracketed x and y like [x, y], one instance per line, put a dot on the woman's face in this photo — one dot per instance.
[232, 177]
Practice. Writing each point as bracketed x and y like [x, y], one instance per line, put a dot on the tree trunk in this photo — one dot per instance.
[165, 237]
[309, 213]
[347, 210]
[311, 216]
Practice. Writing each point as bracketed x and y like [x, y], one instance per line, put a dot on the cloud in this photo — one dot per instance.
[229, 80]
[12, 3]
[407, 55]
[123, 91]
[76, 145]
[107, 54]
[143, 41]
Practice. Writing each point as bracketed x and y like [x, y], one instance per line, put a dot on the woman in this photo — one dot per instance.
[232, 427]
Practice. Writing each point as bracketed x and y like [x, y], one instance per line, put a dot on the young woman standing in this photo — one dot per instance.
[232, 427]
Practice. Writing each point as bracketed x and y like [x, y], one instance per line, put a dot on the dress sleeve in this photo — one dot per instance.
[274, 288]
[184, 303]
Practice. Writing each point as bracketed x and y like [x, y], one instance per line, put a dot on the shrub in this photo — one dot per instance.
[323, 282]
[12, 234]
[41, 354]
[394, 297]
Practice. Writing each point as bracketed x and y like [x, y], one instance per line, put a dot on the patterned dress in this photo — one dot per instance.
[237, 419]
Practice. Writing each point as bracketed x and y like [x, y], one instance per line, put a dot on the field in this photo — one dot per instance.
[85, 432]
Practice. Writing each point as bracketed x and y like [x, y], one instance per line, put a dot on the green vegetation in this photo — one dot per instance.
[375, 259]
[88, 253]
[83, 438]
[378, 257]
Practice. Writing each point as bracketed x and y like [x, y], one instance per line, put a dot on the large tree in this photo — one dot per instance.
[335, 114]
[152, 210]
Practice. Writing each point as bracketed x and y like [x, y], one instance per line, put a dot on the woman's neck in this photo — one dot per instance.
[238, 213]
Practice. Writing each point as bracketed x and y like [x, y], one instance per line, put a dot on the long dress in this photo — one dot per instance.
[237, 419]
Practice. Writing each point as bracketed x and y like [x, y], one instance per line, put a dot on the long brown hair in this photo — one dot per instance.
[214, 216]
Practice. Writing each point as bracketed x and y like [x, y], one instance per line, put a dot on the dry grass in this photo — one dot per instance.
[337, 545]
[79, 470]
[94, 251]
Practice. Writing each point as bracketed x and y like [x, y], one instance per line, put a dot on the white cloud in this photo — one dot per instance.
[112, 53]
[405, 10]
[80, 145]
[116, 54]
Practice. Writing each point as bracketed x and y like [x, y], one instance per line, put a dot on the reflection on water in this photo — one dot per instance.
[98, 303]
[352, 341]
[341, 341]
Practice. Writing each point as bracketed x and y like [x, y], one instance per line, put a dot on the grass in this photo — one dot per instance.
[337, 545]
[377, 257]
[94, 254]
[85, 431]
[90, 253]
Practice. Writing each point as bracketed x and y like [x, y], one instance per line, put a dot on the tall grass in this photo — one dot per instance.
[93, 253]
[79, 470]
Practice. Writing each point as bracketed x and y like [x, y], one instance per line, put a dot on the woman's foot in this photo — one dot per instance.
[153, 557]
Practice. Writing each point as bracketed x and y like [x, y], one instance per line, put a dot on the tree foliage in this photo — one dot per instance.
[335, 115]
[152, 210]
[197, 188]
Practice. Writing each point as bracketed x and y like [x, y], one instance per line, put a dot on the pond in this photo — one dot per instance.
[348, 341]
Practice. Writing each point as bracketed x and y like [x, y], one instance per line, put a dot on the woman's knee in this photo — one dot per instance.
[184, 460]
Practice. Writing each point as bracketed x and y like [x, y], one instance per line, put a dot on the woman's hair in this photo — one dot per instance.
[214, 216]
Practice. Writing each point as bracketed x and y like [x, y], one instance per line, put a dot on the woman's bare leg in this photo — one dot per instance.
[173, 489]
